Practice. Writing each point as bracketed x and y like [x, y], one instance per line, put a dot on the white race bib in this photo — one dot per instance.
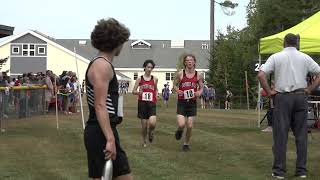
[188, 94]
[147, 96]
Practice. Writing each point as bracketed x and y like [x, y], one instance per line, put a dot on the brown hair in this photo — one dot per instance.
[185, 58]
[109, 34]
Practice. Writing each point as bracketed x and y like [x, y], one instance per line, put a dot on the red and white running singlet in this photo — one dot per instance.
[188, 86]
[148, 90]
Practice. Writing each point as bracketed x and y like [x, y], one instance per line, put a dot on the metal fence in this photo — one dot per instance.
[21, 102]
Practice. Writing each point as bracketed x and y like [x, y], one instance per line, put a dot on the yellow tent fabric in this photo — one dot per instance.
[308, 30]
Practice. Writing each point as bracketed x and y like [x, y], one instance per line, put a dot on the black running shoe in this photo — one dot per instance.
[178, 134]
[185, 148]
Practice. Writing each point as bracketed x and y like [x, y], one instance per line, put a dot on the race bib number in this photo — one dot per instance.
[147, 96]
[188, 94]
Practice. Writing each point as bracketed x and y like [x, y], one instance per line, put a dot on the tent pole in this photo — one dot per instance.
[259, 95]
[78, 88]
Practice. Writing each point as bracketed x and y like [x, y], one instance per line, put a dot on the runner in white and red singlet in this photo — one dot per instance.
[147, 99]
[189, 86]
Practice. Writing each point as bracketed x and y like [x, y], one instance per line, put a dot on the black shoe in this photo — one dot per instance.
[178, 134]
[151, 136]
[185, 148]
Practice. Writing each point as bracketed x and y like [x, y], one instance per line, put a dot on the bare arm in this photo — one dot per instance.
[100, 74]
[201, 85]
[156, 85]
[264, 83]
[176, 81]
[49, 84]
[135, 87]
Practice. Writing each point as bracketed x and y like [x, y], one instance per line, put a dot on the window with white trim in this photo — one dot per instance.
[28, 50]
[31, 53]
[25, 50]
[31, 50]
[15, 49]
[41, 50]
[169, 76]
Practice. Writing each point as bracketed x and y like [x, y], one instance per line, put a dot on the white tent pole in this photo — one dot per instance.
[78, 83]
[259, 95]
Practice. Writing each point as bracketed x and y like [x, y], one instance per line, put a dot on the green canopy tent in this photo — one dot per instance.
[309, 33]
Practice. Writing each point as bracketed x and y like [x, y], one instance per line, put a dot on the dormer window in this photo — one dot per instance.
[205, 46]
[140, 44]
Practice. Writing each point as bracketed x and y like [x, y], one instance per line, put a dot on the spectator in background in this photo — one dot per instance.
[270, 110]
[127, 87]
[82, 87]
[11, 84]
[263, 94]
[49, 90]
[73, 94]
[66, 92]
[165, 94]
[2, 83]
[211, 96]
[1, 93]
[228, 99]
[203, 97]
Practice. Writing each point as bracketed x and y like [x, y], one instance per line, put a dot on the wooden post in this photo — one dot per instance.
[247, 91]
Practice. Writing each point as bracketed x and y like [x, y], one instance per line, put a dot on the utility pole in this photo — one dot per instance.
[226, 6]
[211, 26]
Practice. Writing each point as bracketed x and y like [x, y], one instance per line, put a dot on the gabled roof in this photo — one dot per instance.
[5, 31]
[140, 41]
[122, 77]
[161, 52]
[85, 50]
[46, 39]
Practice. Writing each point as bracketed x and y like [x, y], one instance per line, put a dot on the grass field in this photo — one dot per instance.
[226, 145]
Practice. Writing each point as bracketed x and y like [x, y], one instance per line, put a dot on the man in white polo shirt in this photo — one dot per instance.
[290, 68]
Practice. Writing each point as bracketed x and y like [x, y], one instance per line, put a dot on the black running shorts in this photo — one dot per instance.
[146, 109]
[187, 108]
[95, 143]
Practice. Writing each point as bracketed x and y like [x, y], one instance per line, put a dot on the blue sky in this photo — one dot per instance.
[146, 19]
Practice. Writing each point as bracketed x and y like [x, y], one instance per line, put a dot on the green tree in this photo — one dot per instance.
[237, 51]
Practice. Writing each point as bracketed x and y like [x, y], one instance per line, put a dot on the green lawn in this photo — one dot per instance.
[225, 145]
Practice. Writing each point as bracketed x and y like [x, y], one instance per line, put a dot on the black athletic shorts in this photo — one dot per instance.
[95, 143]
[146, 109]
[187, 108]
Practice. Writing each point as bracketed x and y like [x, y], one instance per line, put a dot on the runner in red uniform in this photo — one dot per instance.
[147, 99]
[189, 86]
